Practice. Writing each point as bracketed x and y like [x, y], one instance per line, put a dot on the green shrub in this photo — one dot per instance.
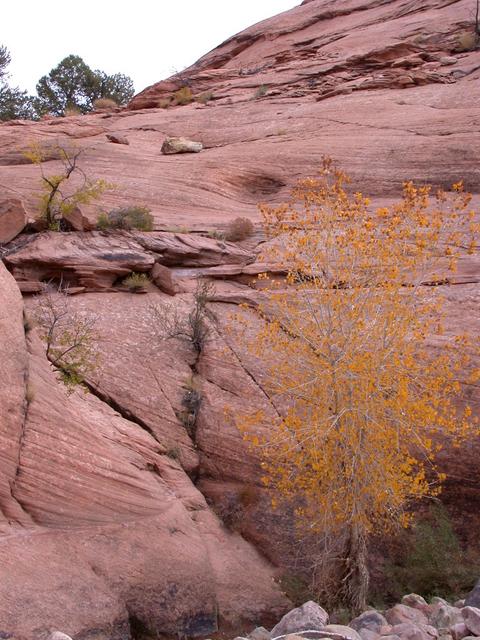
[133, 217]
[430, 561]
[136, 282]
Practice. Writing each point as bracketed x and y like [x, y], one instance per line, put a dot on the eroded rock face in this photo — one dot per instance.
[98, 489]
[116, 531]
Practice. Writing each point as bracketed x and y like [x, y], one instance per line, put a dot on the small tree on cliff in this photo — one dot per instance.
[60, 197]
[364, 404]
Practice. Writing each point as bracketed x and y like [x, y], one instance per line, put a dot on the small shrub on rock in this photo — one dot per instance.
[136, 282]
[134, 217]
[104, 104]
[261, 91]
[183, 96]
[204, 98]
[467, 41]
[239, 229]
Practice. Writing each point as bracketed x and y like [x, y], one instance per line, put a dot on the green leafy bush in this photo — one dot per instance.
[430, 561]
[133, 217]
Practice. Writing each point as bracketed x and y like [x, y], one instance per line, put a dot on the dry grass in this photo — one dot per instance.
[239, 229]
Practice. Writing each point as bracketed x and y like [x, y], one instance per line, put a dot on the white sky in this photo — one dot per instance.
[147, 40]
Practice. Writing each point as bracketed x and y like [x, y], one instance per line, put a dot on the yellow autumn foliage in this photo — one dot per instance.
[366, 401]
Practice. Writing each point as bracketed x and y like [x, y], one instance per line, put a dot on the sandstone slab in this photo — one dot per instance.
[13, 219]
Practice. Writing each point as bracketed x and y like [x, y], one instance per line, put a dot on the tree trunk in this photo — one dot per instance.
[356, 578]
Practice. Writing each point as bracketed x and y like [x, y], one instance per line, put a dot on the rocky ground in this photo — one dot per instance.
[106, 518]
[413, 619]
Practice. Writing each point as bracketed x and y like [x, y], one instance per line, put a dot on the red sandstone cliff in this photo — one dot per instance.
[102, 528]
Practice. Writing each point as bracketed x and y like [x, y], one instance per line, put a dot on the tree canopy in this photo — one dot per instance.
[72, 84]
[14, 103]
[365, 401]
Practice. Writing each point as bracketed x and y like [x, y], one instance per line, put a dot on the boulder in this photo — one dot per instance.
[172, 146]
[473, 598]
[459, 631]
[371, 620]
[400, 613]
[415, 601]
[368, 634]
[309, 616]
[78, 221]
[412, 631]
[117, 139]
[58, 635]
[445, 616]
[163, 278]
[341, 630]
[471, 616]
[13, 219]
[260, 633]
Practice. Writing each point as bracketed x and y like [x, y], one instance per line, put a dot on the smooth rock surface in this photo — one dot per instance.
[371, 620]
[401, 613]
[309, 616]
[171, 146]
[13, 219]
[473, 598]
[471, 617]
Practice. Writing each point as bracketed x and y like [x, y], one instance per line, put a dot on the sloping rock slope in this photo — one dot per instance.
[105, 519]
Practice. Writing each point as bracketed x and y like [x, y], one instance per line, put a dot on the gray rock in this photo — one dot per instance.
[437, 600]
[260, 633]
[310, 616]
[171, 146]
[459, 630]
[473, 598]
[415, 601]
[371, 620]
[447, 60]
[461, 603]
[368, 634]
[117, 139]
[400, 613]
[471, 616]
[445, 616]
[58, 635]
[345, 632]
[412, 631]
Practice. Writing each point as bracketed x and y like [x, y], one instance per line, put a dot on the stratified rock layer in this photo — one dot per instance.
[103, 495]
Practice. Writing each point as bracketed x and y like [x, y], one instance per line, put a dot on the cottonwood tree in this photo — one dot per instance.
[364, 402]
